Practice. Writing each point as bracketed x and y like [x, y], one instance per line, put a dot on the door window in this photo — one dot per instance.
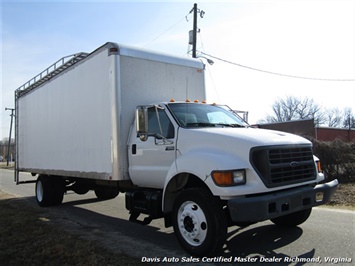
[159, 124]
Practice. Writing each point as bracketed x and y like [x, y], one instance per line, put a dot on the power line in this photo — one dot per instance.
[273, 73]
[165, 31]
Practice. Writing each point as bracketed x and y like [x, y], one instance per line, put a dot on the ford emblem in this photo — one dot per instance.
[294, 164]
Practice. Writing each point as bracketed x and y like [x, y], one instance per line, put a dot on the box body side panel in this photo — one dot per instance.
[64, 126]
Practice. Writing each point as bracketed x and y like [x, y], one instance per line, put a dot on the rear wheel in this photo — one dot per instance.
[106, 193]
[49, 190]
[199, 222]
[58, 190]
[293, 219]
[80, 188]
[44, 191]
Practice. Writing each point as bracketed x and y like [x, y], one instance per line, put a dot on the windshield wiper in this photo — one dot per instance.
[203, 124]
[229, 125]
[200, 124]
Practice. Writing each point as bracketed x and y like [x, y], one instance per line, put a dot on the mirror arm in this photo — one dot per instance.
[142, 122]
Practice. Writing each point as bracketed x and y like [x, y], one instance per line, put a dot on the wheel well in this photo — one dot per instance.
[177, 183]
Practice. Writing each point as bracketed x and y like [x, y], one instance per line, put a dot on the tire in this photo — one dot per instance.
[293, 219]
[106, 193]
[44, 191]
[199, 222]
[58, 190]
[49, 190]
[80, 188]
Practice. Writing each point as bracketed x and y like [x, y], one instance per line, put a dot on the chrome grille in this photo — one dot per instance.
[283, 165]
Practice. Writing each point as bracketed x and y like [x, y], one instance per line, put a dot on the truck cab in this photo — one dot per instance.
[211, 170]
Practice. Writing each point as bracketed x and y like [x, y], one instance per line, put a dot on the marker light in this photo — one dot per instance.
[319, 168]
[204, 101]
[187, 100]
[172, 100]
[195, 101]
[229, 178]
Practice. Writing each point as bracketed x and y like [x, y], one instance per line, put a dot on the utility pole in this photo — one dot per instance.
[9, 145]
[194, 30]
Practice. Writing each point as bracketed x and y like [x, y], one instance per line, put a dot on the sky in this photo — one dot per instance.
[313, 39]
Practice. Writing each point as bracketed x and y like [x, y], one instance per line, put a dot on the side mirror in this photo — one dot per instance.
[142, 122]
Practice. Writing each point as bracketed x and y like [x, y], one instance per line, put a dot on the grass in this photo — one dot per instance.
[30, 238]
[4, 165]
[344, 197]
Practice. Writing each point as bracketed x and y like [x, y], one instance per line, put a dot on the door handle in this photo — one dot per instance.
[134, 149]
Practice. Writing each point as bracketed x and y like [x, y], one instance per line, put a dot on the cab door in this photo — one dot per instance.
[151, 158]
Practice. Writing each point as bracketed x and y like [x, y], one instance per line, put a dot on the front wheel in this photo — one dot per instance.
[293, 219]
[199, 222]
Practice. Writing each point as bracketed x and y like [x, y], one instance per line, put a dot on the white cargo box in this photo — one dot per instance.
[75, 120]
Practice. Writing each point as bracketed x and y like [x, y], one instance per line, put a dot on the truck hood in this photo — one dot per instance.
[237, 138]
[201, 151]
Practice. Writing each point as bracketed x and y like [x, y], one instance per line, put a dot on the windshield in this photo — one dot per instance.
[205, 115]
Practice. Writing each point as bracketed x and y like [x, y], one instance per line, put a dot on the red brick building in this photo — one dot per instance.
[330, 134]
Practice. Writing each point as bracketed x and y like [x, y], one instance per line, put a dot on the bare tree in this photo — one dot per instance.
[308, 109]
[334, 117]
[293, 108]
[349, 118]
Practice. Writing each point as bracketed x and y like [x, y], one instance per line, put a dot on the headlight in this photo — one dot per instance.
[229, 177]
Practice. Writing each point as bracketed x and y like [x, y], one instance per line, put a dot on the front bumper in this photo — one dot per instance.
[265, 207]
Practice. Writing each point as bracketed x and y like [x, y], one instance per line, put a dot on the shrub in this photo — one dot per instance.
[337, 159]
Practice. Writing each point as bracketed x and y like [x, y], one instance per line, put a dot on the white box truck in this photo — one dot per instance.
[104, 121]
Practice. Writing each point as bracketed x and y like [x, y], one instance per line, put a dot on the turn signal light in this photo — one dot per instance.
[223, 178]
[319, 167]
[229, 178]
